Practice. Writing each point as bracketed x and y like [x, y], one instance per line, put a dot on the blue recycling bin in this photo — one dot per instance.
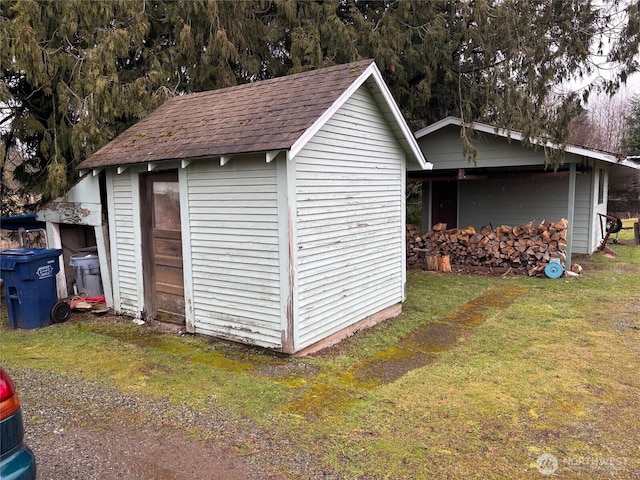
[29, 280]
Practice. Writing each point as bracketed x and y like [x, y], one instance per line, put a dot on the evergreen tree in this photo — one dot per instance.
[497, 62]
[77, 73]
[630, 144]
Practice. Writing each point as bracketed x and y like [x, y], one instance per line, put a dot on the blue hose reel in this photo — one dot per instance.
[554, 269]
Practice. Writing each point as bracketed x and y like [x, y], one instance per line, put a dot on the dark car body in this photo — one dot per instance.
[17, 462]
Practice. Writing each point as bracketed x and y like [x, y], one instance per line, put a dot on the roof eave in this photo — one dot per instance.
[437, 126]
[514, 135]
[631, 162]
[411, 142]
[270, 155]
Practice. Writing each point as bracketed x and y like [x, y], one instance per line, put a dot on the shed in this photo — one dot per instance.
[511, 184]
[271, 213]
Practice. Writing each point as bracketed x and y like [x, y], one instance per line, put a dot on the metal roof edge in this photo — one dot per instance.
[438, 125]
[515, 135]
[631, 162]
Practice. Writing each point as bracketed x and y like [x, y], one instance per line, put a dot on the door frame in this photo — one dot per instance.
[146, 235]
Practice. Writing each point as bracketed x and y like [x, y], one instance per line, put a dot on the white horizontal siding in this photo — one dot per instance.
[233, 220]
[349, 197]
[127, 291]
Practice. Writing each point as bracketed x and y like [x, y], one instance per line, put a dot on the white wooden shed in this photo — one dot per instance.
[511, 184]
[271, 213]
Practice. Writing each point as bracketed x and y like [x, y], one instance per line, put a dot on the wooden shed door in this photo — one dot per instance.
[162, 257]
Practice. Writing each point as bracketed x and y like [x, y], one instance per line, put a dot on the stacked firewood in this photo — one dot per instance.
[526, 248]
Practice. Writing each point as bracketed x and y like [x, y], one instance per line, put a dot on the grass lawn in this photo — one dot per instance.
[478, 377]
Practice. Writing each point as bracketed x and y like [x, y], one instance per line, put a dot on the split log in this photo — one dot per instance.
[443, 263]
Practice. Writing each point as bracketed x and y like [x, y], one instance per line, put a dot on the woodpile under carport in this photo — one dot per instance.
[526, 248]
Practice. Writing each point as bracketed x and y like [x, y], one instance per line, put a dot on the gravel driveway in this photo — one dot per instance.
[85, 430]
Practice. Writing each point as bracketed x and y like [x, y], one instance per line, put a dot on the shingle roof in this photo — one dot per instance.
[255, 117]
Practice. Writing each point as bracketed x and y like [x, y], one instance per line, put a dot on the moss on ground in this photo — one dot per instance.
[495, 372]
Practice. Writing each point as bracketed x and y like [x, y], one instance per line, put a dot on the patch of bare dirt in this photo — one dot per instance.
[133, 453]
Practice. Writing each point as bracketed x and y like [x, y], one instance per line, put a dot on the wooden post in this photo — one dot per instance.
[571, 211]
[55, 241]
[636, 233]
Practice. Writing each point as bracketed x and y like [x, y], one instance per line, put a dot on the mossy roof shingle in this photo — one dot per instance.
[254, 117]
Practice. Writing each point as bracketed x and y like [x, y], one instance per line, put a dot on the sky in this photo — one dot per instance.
[602, 67]
[626, 91]
[633, 85]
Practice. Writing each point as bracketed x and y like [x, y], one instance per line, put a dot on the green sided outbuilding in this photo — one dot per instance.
[271, 213]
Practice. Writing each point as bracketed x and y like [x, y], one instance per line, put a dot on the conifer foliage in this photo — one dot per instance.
[630, 144]
[77, 73]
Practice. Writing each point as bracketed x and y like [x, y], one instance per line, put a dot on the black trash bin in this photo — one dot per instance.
[29, 280]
